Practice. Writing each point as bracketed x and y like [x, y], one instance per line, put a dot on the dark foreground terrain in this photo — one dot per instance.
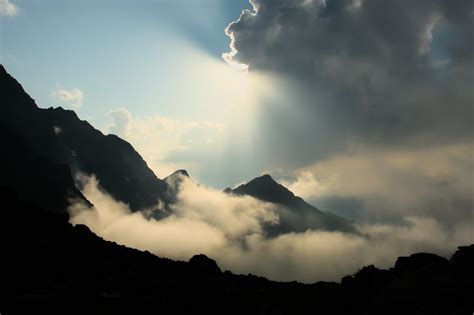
[49, 266]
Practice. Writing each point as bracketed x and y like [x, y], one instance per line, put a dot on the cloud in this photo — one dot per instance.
[229, 229]
[203, 220]
[121, 122]
[305, 185]
[371, 112]
[158, 138]
[7, 8]
[359, 72]
[387, 185]
[73, 96]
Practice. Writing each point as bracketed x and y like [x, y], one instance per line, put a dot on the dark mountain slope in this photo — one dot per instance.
[267, 189]
[49, 266]
[295, 213]
[55, 136]
[35, 177]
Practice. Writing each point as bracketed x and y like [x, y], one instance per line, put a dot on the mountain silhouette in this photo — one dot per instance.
[294, 213]
[45, 147]
[52, 267]
[38, 142]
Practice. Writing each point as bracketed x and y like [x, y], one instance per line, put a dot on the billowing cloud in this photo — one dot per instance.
[383, 185]
[121, 122]
[7, 8]
[229, 229]
[72, 97]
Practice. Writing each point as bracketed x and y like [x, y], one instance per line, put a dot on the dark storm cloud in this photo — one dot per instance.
[377, 72]
[375, 100]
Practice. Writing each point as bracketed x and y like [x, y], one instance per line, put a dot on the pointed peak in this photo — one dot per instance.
[265, 178]
[15, 96]
[266, 188]
[177, 176]
[4, 72]
[181, 172]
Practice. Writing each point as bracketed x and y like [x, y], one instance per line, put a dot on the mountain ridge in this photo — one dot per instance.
[295, 215]
[72, 264]
[58, 136]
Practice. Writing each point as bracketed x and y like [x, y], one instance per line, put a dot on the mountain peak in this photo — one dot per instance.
[121, 171]
[267, 189]
[296, 214]
[13, 96]
[181, 172]
[265, 178]
[174, 180]
[176, 177]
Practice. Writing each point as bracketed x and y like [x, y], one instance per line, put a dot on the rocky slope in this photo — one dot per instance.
[38, 142]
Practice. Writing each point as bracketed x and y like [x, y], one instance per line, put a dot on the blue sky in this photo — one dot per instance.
[159, 62]
[118, 53]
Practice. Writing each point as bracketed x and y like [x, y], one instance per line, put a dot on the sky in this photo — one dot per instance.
[148, 57]
[363, 109]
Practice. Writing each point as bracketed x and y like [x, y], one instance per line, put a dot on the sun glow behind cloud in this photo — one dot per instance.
[200, 107]
[229, 56]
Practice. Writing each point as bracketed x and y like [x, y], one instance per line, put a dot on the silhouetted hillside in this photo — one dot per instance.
[37, 141]
[296, 215]
[50, 266]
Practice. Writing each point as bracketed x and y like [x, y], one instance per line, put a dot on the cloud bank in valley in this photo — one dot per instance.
[229, 229]
[386, 185]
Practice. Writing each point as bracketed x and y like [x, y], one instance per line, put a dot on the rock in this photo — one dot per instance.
[418, 261]
[204, 264]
